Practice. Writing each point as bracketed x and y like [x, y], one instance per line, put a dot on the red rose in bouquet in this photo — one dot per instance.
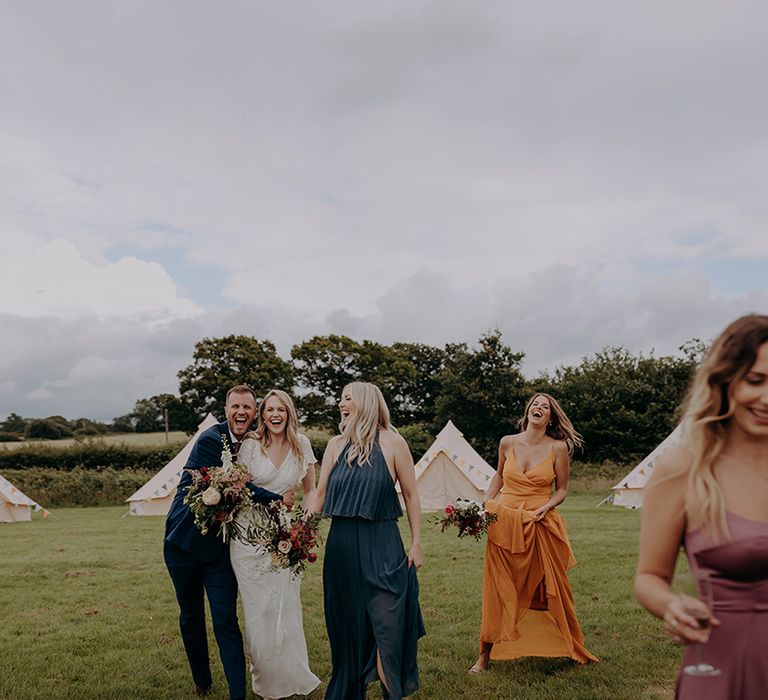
[288, 537]
[217, 494]
[468, 517]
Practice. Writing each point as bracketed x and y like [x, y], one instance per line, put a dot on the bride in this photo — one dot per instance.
[278, 457]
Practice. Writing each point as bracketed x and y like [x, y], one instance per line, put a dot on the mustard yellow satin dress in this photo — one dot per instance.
[528, 607]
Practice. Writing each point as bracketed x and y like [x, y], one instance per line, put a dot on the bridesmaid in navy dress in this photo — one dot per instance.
[711, 494]
[370, 588]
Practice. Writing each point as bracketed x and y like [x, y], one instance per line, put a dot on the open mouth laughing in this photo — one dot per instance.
[760, 415]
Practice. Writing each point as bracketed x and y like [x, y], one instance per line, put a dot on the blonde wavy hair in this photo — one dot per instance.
[262, 433]
[371, 415]
[559, 426]
[708, 407]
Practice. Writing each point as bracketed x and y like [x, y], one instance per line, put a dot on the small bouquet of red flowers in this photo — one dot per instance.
[290, 538]
[217, 494]
[468, 516]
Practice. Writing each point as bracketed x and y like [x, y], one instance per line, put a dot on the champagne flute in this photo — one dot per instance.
[695, 592]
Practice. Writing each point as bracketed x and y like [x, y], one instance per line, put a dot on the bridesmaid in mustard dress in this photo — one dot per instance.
[528, 607]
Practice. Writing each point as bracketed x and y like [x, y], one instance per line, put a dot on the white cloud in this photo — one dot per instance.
[55, 278]
[401, 171]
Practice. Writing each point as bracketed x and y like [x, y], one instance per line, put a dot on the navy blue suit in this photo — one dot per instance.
[199, 564]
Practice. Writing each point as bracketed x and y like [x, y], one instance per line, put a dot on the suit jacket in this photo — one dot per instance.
[180, 524]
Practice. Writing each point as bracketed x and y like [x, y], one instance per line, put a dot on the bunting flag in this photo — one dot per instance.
[629, 491]
[450, 468]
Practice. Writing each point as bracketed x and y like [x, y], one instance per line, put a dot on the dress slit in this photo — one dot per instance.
[528, 607]
[370, 593]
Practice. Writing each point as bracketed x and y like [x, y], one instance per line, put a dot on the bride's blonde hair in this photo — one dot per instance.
[708, 407]
[262, 433]
[371, 415]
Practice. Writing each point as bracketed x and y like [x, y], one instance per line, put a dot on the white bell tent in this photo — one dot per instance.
[629, 491]
[451, 469]
[154, 498]
[14, 505]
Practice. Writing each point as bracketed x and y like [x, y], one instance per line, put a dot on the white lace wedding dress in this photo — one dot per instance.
[274, 631]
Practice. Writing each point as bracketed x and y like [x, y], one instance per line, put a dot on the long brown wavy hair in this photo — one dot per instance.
[559, 426]
[709, 406]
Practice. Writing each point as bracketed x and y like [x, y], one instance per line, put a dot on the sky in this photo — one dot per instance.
[577, 175]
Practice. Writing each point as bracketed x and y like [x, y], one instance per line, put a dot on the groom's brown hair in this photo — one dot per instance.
[242, 389]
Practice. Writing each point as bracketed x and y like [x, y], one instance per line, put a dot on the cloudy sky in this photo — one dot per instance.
[575, 174]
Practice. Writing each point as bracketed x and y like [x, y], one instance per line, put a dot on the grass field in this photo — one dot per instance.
[175, 437]
[130, 439]
[87, 611]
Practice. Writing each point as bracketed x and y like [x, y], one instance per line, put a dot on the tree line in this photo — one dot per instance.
[623, 404]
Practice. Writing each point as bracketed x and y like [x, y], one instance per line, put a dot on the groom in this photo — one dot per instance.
[200, 563]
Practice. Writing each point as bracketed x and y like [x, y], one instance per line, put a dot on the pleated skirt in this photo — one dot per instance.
[371, 599]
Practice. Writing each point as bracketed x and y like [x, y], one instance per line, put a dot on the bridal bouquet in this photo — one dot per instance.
[290, 538]
[217, 494]
[468, 516]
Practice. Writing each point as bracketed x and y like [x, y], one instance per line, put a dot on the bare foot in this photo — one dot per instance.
[481, 664]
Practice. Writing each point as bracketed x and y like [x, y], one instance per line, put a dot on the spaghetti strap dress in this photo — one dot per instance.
[528, 607]
[738, 570]
[371, 595]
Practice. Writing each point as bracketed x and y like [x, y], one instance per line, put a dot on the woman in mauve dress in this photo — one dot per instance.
[710, 493]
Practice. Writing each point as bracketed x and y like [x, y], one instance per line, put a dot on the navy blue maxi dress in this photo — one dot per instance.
[371, 596]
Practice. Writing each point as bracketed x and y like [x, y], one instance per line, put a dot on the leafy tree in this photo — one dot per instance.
[123, 424]
[64, 425]
[47, 429]
[86, 426]
[483, 392]
[420, 389]
[220, 363]
[418, 437]
[324, 365]
[148, 415]
[624, 405]
[14, 424]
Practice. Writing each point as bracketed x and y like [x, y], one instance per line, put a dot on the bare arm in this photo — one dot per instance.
[498, 478]
[562, 474]
[406, 475]
[316, 499]
[663, 525]
[308, 482]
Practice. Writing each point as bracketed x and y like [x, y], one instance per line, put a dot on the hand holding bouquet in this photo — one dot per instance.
[288, 537]
[217, 494]
[468, 516]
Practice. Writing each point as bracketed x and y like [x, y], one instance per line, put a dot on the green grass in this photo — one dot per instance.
[87, 611]
[130, 439]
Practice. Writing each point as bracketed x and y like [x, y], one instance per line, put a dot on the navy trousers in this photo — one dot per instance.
[194, 578]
